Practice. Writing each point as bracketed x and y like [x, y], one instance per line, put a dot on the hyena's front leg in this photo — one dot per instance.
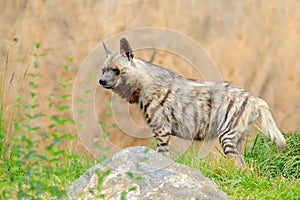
[162, 136]
[156, 111]
[161, 129]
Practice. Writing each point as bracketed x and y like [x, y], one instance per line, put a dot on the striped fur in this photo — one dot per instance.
[187, 108]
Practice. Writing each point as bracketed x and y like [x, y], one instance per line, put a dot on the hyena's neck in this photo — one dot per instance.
[128, 91]
[142, 76]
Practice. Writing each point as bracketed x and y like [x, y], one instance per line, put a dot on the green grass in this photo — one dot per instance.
[39, 177]
[270, 173]
[40, 162]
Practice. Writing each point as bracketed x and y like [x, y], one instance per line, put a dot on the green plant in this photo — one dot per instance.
[270, 173]
[34, 161]
[273, 162]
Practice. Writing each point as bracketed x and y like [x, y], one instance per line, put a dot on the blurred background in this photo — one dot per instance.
[253, 43]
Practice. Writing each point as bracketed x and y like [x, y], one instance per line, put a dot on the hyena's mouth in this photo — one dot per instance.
[106, 84]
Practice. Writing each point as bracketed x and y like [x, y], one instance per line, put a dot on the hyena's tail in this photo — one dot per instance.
[268, 125]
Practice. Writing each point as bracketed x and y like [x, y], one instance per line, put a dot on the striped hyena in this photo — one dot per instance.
[187, 108]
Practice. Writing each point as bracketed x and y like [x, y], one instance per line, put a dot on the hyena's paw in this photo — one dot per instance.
[238, 160]
[164, 152]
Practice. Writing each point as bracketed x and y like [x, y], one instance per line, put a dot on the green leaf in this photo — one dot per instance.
[43, 157]
[35, 75]
[36, 64]
[32, 106]
[69, 136]
[19, 97]
[65, 85]
[58, 152]
[56, 119]
[105, 135]
[64, 96]
[80, 111]
[33, 94]
[132, 189]
[87, 91]
[102, 175]
[30, 154]
[44, 135]
[54, 142]
[109, 104]
[84, 100]
[26, 127]
[16, 126]
[51, 126]
[130, 175]
[63, 107]
[104, 125]
[109, 115]
[37, 45]
[67, 68]
[43, 54]
[34, 116]
[91, 74]
[146, 150]
[138, 178]
[100, 196]
[123, 195]
[33, 85]
[70, 58]
[55, 135]
[35, 128]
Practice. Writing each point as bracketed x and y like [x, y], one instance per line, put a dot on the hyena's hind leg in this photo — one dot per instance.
[231, 143]
[231, 132]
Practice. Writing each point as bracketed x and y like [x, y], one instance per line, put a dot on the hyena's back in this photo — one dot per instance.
[193, 108]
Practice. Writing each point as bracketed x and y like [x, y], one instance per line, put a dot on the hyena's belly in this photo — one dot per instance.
[192, 124]
[189, 132]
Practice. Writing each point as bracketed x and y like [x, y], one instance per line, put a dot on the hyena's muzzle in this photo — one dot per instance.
[109, 79]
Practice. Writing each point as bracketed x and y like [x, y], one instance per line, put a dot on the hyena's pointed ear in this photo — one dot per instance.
[107, 49]
[125, 49]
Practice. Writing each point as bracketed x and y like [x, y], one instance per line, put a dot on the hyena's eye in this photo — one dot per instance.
[116, 71]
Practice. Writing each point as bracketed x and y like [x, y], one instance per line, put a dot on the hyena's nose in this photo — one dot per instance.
[102, 81]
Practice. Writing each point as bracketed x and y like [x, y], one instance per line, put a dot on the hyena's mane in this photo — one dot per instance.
[142, 76]
[152, 73]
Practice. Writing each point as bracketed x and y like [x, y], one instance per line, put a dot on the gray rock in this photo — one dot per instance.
[141, 173]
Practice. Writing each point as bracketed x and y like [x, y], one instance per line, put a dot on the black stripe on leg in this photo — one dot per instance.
[237, 116]
[164, 144]
[241, 110]
[225, 146]
[164, 135]
[228, 132]
[231, 102]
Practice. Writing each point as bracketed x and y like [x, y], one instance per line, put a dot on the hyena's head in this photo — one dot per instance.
[116, 64]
